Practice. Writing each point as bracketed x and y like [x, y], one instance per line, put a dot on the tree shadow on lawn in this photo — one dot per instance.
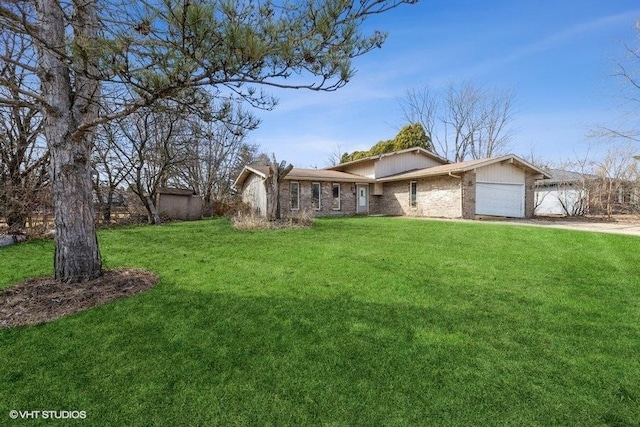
[179, 357]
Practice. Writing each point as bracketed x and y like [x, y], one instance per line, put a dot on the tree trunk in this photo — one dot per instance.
[77, 257]
[154, 217]
[276, 174]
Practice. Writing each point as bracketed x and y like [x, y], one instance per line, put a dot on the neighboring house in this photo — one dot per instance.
[572, 193]
[411, 182]
[177, 203]
[563, 193]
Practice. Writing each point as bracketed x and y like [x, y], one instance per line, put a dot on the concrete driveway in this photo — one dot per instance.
[630, 226]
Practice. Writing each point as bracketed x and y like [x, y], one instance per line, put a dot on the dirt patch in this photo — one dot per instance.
[42, 300]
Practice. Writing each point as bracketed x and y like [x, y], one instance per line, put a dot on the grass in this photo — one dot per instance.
[358, 321]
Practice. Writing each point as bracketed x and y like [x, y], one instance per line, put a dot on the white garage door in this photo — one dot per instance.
[500, 199]
[559, 202]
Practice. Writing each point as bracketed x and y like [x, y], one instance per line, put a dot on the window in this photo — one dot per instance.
[315, 196]
[294, 188]
[413, 194]
[335, 200]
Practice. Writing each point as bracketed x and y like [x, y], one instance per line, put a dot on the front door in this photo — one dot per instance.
[363, 199]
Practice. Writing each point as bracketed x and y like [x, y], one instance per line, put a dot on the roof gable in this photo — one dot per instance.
[416, 150]
[247, 171]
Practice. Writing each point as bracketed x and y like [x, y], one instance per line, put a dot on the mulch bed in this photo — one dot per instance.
[42, 300]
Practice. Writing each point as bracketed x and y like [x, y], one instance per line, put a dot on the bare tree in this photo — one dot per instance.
[335, 157]
[627, 74]
[618, 177]
[23, 153]
[277, 172]
[214, 153]
[422, 106]
[464, 121]
[111, 164]
[157, 146]
[138, 53]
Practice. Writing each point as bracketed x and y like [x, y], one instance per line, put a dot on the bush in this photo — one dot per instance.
[244, 221]
[251, 221]
[229, 209]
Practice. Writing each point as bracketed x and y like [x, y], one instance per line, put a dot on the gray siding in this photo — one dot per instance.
[402, 162]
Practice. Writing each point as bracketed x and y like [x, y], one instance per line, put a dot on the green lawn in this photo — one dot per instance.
[357, 321]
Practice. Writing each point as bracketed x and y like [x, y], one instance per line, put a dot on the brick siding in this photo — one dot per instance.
[436, 197]
[347, 199]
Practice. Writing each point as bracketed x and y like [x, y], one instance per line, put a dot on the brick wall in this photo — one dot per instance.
[469, 195]
[529, 195]
[436, 197]
[347, 199]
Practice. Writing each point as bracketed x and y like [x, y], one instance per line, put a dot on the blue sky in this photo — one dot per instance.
[558, 56]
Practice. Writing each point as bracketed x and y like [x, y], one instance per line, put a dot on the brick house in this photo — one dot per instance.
[411, 182]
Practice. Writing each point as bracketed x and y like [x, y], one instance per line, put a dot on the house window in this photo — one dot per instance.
[294, 188]
[413, 194]
[335, 200]
[315, 196]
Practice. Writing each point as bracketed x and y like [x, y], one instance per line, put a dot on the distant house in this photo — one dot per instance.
[411, 182]
[563, 193]
[570, 193]
[180, 204]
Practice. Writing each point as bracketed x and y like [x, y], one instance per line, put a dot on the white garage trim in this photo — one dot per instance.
[500, 199]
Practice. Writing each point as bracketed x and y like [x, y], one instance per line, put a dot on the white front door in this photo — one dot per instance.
[363, 200]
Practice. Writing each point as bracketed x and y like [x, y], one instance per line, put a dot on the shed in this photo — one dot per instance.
[180, 204]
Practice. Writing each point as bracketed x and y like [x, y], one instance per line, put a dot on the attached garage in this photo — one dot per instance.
[500, 199]
[498, 186]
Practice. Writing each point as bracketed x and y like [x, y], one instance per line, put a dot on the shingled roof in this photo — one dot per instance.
[464, 167]
[302, 174]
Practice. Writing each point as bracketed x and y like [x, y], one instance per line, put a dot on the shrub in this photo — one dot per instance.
[229, 208]
[244, 221]
[251, 221]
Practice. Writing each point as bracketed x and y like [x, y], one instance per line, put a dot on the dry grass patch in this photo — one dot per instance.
[243, 221]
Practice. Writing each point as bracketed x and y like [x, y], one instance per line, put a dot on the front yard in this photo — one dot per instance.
[357, 321]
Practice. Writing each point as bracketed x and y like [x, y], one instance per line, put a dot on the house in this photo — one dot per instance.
[563, 193]
[177, 203]
[411, 182]
[570, 193]
[325, 192]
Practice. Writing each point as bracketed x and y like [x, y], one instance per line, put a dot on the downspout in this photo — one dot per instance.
[455, 176]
